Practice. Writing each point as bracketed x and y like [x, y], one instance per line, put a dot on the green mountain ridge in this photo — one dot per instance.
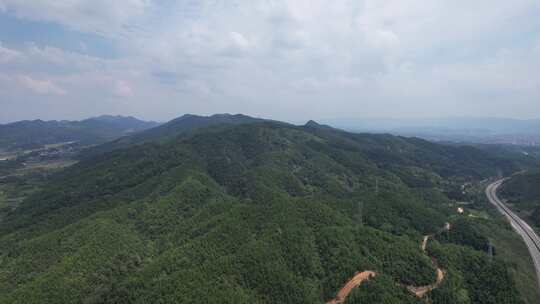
[36, 133]
[183, 125]
[523, 194]
[262, 212]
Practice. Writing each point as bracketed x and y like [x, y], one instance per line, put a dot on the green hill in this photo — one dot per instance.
[250, 213]
[36, 133]
[523, 193]
[183, 125]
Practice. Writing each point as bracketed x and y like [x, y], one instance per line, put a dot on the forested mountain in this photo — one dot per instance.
[190, 122]
[253, 213]
[36, 133]
[182, 125]
[523, 193]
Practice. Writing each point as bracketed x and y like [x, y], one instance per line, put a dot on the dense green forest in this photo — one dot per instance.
[185, 124]
[523, 194]
[254, 213]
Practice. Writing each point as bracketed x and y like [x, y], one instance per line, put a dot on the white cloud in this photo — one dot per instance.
[302, 58]
[239, 40]
[383, 38]
[8, 55]
[40, 86]
[97, 16]
[123, 89]
[235, 45]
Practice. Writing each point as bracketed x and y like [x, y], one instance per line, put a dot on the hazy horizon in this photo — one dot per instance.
[283, 60]
[300, 121]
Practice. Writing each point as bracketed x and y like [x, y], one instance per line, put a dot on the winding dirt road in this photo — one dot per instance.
[361, 277]
[421, 291]
[424, 242]
[356, 281]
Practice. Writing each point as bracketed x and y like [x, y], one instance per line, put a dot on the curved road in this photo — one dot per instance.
[361, 277]
[520, 226]
[356, 281]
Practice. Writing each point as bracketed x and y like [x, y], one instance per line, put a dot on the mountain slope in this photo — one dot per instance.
[251, 213]
[36, 133]
[182, 125]
[523, 194]
[190, 122]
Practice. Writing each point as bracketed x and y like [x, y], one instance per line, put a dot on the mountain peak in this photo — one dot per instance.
[315, 125]
[312, 124]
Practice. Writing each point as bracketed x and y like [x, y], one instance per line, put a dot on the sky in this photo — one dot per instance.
[288, 60]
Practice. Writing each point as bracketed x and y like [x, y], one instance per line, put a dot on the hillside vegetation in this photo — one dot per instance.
[186, 124]
[37, 133]
[252, 213]
[523, 194]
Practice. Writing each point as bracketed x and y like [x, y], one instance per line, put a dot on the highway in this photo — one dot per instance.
[520, 226]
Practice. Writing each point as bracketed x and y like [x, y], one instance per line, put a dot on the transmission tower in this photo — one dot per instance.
[359, 214]
[490, 252]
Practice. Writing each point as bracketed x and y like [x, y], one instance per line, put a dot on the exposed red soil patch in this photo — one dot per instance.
[361, 277]
[421, 291]
[356, 281]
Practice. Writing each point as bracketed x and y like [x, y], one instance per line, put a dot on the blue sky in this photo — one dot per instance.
[289, 60]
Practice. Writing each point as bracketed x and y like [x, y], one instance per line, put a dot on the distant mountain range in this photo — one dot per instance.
[457, 129]
[36, 133]
[115, 132]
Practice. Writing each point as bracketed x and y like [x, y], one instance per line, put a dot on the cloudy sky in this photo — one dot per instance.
[290, 60]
